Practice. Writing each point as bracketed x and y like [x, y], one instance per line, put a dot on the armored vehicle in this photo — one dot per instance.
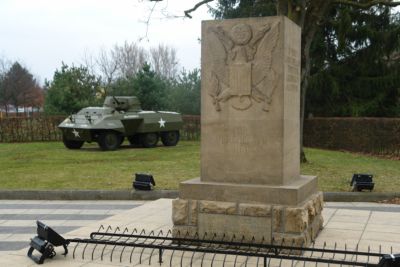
[120, 117]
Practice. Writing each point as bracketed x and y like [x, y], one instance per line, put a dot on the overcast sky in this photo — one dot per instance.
[43, 33]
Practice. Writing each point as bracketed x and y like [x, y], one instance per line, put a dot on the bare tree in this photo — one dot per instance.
[18, 82]
[104, 64]
[5, 65]
[124, 61]
[108, 65]
[89, 61]
[163, 60]
[34, 97]
[130, 58]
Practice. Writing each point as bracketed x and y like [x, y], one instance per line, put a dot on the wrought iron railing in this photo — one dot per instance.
[188, 249]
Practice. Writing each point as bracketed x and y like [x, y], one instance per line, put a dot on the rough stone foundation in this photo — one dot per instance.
[279, 224]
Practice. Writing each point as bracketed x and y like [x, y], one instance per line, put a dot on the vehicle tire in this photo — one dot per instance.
[170, 138]
[134, 140]
[149, 139]
[72, 144]
[122, 138]
[109, 141]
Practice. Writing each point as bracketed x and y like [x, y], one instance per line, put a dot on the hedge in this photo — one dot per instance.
[379, 136]
[44, 128]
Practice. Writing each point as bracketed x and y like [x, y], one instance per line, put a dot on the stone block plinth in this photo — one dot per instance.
[265, 223]
[290, 194]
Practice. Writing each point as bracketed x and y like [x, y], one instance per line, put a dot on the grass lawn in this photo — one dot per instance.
[49, 165]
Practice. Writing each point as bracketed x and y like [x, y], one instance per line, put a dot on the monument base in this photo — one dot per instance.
[287, 214]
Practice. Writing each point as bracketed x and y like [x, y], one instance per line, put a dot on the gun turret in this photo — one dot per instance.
[122, 103]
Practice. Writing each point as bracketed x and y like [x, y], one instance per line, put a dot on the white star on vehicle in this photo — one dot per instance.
[162, 122]
[76, 133]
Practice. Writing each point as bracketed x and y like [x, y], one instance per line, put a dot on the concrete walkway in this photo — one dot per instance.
[18, 217]
[367, 224]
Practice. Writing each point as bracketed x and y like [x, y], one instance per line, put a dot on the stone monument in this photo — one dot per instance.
[250, 184]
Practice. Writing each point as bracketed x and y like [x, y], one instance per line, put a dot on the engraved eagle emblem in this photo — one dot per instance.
[243, 72]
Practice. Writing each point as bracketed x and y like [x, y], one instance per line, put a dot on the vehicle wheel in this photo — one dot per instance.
[134, 140]
[149, 139]
[170, 138]
[122, 138]
[72, 144]
[109, 141]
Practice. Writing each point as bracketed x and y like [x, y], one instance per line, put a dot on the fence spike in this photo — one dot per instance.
[102, 252]
[334, 250]
[83, 252]
[312, 252]
[239, 246]
[183, 253]
[280, 262]
[219, 246]
[356, 251]
[144, 242]
[123, 248]
[112, 251]
[278, 250]
[291, 247]
[259, 249]
[73, 253]
[169, 233]
[133, 249]
[253, 240]
[204, 238]
[109, 228]
[160, 233]
[179, 244]
[368, 254]
[170, 260]
[232, 240]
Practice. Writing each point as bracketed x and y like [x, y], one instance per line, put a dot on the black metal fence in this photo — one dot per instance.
[190, 249]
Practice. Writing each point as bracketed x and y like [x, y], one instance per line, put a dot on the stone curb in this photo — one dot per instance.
[87, 194]
[359, 196]
[156, 194]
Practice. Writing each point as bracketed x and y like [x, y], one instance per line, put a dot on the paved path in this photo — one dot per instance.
[359, 225]
[371, 225]
[18, 217]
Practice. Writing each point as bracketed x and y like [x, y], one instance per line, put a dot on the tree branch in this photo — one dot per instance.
[368, 4]
[199, 4]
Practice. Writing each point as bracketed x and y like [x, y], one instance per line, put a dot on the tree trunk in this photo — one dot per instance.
[308, 18]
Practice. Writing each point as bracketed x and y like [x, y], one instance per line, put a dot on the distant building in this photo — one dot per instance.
[22, 112]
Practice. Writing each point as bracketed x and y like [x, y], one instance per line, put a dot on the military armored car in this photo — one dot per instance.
[120, 117]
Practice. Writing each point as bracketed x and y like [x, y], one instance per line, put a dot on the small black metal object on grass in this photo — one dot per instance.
[360, 182]
[44, 242]
[144, 181]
